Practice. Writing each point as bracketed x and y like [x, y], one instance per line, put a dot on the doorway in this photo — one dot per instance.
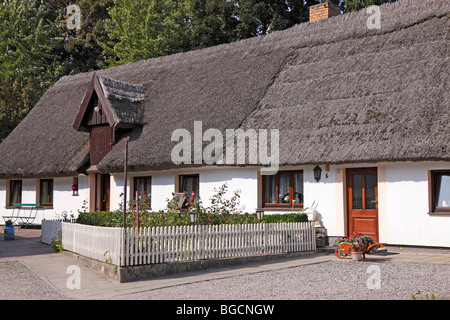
[362, 200]
[100, 192]
[105, 192]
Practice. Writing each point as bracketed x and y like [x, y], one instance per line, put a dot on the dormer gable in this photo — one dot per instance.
[112, 102]
[108, 105]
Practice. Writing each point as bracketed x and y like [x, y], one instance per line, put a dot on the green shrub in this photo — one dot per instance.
[221, 211]
[56, 243]
[164, 218]
[101, 218]
[287, 217]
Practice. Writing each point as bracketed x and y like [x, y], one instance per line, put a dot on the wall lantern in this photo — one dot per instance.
[317, 173]
[193, 217]
[260, 215]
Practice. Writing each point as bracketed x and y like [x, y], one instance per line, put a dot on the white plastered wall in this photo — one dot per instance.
[63, 199]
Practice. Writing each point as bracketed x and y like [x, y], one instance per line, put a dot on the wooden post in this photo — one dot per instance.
[137, 209]
[125, 185]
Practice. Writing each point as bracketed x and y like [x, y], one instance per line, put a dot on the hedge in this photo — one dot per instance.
[163, 218]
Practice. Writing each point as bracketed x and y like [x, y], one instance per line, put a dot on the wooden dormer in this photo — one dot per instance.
[108, 105]
[93, 101]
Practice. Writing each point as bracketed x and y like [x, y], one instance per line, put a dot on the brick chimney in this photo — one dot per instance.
[323, 10]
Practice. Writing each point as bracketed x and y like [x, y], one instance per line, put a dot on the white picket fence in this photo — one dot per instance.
[100, 243]
[138, 246]
[187, 243]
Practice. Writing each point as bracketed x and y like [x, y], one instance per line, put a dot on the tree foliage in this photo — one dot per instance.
[212, 22]
[143, 29]
[82, 51]
[37, 49]
[261, 17]
[29, 62]
[356, 5]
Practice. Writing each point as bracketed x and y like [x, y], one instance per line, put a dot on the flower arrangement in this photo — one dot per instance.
[75, 189]
[358, 241]
[56, 243]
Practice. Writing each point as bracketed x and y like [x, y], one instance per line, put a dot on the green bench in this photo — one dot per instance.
[23, 213]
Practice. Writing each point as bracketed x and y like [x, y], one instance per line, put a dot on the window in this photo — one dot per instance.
[15, 192]
[284, 189]
[190, 185]
[440, 191]
[143, 187]
[46, 192]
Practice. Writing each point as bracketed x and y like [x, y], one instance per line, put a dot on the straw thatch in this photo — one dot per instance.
[337, 91]
[124, 100]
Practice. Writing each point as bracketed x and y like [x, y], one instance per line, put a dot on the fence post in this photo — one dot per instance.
[122, 247]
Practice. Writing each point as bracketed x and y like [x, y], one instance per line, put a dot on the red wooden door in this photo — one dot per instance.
[362, 196]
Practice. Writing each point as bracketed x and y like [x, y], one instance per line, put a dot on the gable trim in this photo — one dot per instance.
[94, 86]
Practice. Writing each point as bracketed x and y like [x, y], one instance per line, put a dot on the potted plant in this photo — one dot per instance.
[75, 190]
[357, 244]
[357, 251]
[9, 232]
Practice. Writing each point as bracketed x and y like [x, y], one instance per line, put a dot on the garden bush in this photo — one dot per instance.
[165, 218]
[221, 211]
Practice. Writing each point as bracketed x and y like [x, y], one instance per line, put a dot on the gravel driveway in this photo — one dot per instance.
[332, 280]
[20, 283]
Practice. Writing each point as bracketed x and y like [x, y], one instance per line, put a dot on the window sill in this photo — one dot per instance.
[287, 209]
[439, 213]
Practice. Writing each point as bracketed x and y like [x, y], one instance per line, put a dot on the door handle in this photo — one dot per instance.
[376, 203]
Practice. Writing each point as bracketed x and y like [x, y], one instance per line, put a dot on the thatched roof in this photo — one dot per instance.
[371, 97]
[124, 100]
[337, 91]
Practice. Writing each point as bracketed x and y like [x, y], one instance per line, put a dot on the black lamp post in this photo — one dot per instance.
[260, 215]
[193, 217]
[317, 173]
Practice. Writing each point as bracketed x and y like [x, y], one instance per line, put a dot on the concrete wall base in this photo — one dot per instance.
[149, 271]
